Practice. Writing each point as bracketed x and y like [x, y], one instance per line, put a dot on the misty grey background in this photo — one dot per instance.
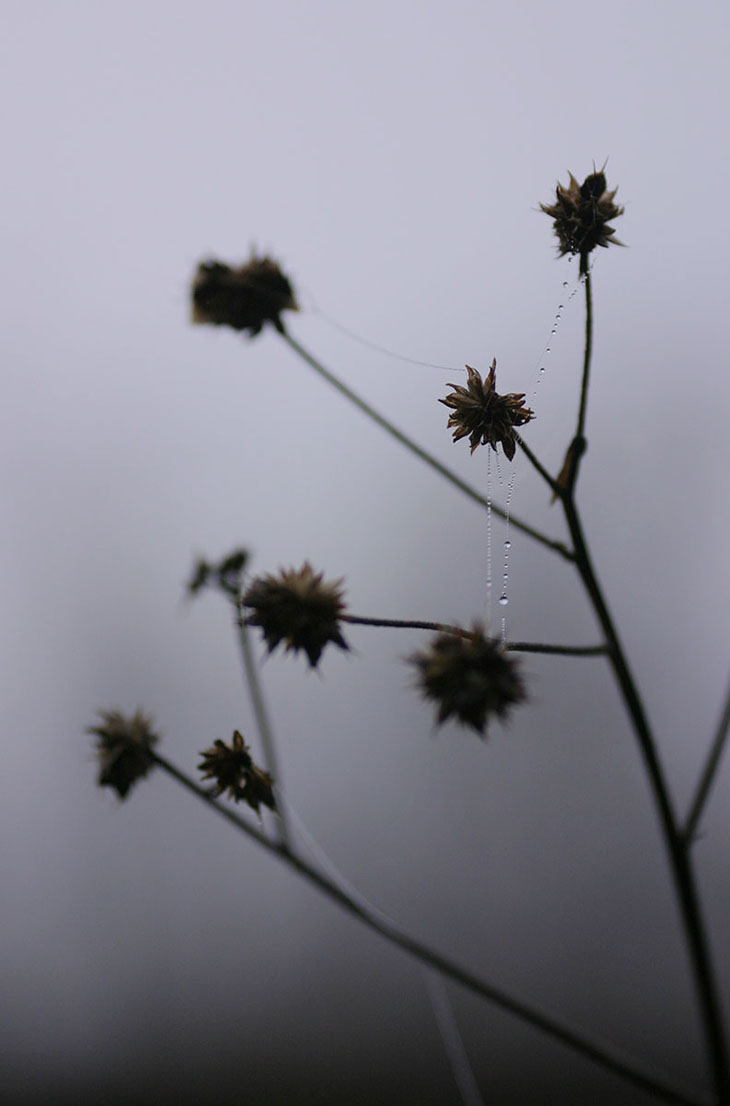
[392, 156]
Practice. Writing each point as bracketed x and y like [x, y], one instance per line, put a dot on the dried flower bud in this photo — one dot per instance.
[470, 676]
[124, 749]
[227, 575]
[298, 608]
[581, 213]
[487, 417]
[234, 771]
[243, 298]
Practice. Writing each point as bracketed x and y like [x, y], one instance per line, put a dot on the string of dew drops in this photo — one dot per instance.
[539, 374]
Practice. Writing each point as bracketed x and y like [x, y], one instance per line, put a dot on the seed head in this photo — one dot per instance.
[243, 298]
[234, 771]
[299, 608]
[581, 214]
[469, 676]
[124, 747]
[485, 416]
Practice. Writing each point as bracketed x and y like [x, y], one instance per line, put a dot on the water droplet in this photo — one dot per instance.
[561, 307]
[508, 545]
[565, 284]
[542, 368]
[503, 600]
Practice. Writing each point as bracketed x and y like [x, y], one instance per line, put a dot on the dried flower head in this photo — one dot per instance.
[234, 771]
[581, 213]
[243, 298]
[299, 608]
[470, 676]
[487, 417]
[124, 747]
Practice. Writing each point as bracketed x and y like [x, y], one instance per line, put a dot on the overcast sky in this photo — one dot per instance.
[392, 157]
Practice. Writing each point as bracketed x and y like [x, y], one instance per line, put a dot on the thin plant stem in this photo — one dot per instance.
[452, 1039]
[681, 868]
[557, 650]
[674, 840]
[603, 1055]
[552, 484]
[446, 1021]
[709, 773]
[424, 455]
[445, 628]
[261, 713]
[588, 350]
[403, 624]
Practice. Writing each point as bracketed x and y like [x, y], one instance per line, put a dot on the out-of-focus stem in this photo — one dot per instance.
[709, 774]
[261, 713]
[601, 1054]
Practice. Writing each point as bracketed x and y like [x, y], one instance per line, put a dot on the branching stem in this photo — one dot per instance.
[601, 1054]
[709, 773]
[675, 840]
[424, 455]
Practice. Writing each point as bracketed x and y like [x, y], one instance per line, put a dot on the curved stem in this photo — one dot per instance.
[708, 775]
[422, 454]
[602, 1055]
[681, 868]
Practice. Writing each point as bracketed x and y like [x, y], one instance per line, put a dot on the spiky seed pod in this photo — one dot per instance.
[124, 747]
[485, 416]
[470, 676]
[299, 608]
[233, 769]
[581, 214]
[243, 298]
